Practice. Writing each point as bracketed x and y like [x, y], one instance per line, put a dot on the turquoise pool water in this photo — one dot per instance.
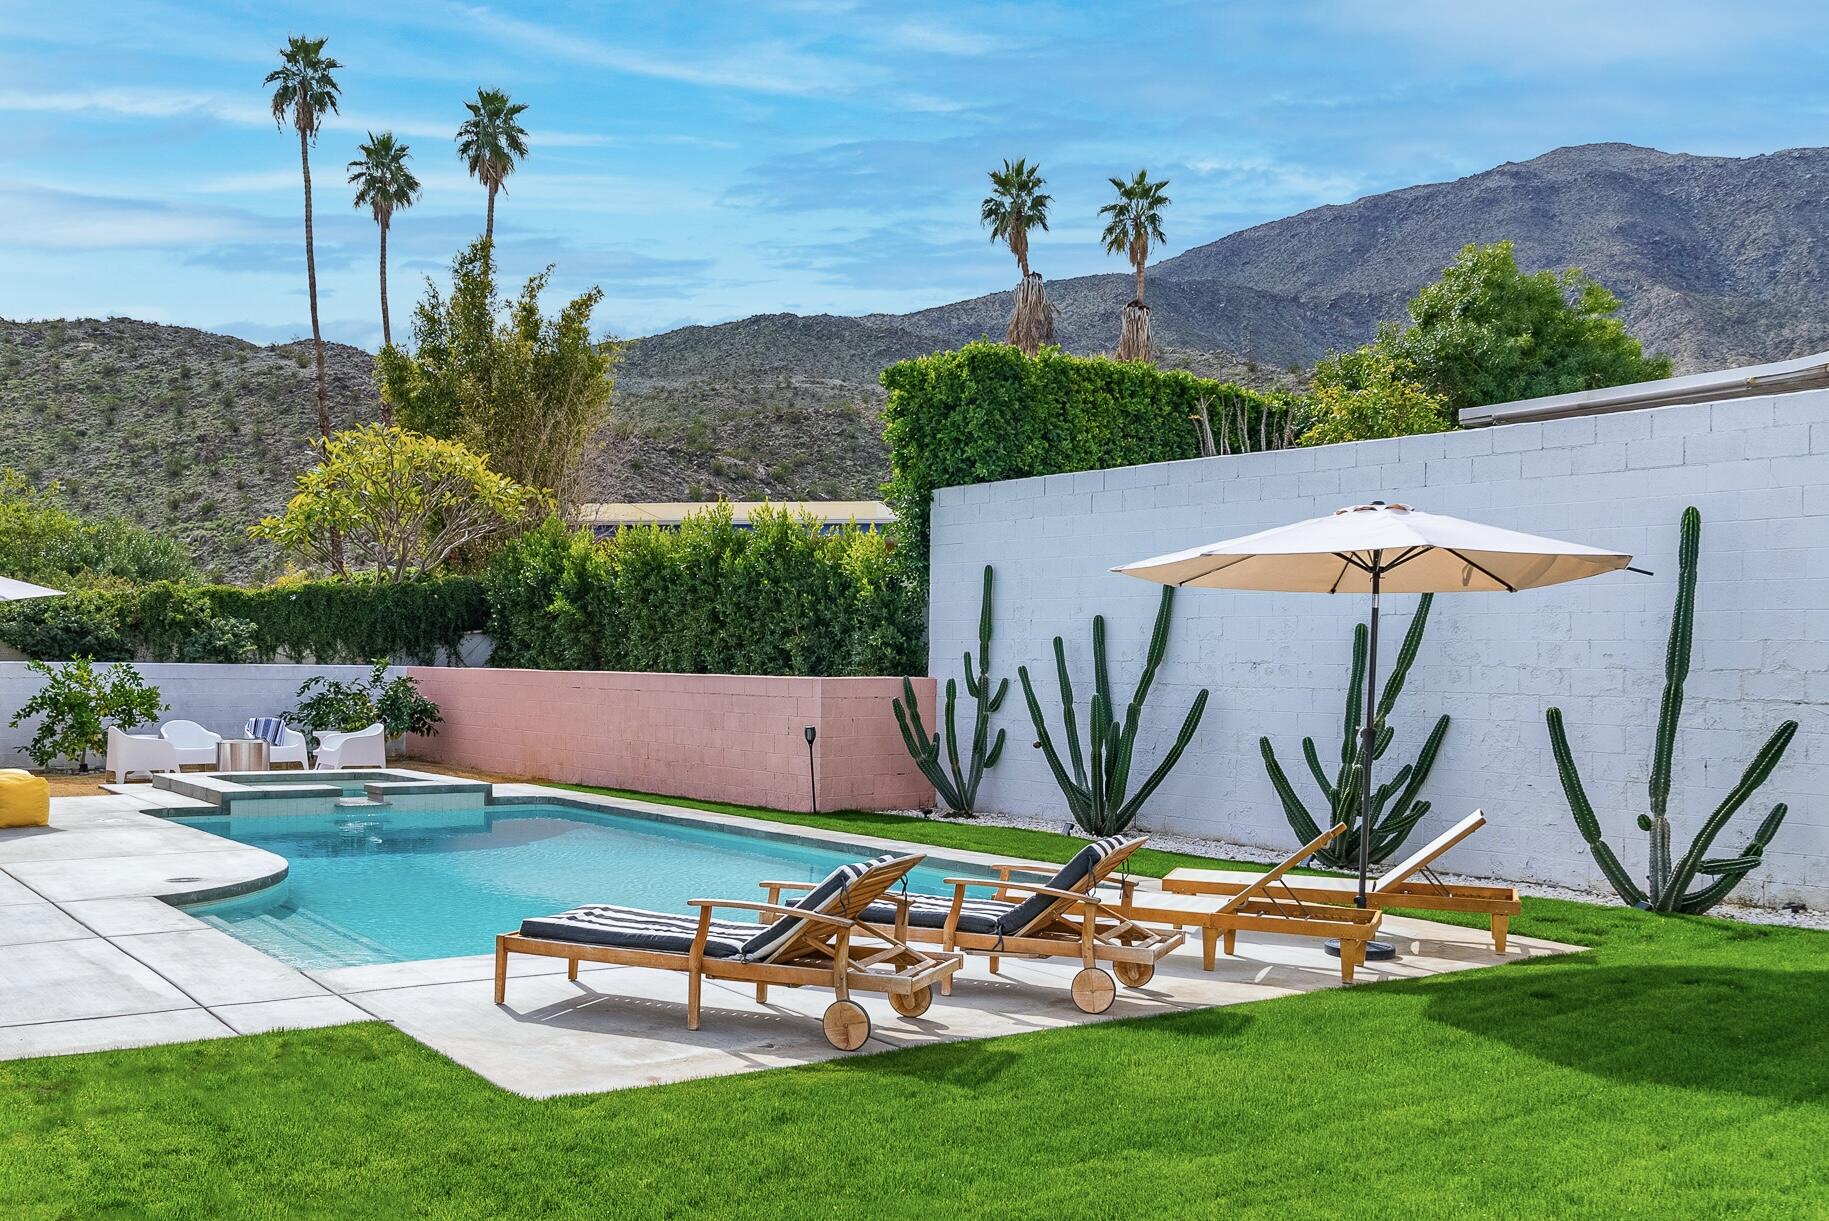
[393, 886]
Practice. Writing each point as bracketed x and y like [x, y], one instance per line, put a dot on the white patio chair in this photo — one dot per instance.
[363, 748]
[138, 752]
[193, 742]
[289, 749]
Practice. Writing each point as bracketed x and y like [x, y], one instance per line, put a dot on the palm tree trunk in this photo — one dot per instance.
[387, 333]
[317, 334]
[1139, 284]
[1031, 316]
[489, 223]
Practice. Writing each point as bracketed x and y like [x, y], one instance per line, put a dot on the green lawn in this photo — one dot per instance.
[1679, 1067]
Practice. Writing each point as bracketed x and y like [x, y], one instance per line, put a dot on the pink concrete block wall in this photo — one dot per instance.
[717, 737]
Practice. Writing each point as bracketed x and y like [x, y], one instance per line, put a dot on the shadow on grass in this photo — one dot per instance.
[1734, 1030]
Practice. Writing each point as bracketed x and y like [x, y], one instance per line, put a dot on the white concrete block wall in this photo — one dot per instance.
[1758, 469]
[221, 697]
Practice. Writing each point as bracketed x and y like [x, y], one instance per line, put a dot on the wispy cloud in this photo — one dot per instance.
[763, 66]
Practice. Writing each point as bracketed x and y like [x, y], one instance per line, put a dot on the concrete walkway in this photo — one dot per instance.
[94, 956]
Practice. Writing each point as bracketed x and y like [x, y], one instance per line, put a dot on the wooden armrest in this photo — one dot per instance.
[780, 886]
[1076, 895]
[779, 909]
[1005, 869]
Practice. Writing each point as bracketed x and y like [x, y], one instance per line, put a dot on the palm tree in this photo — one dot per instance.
[490, 141]
[384, 185]
[1015, 206]
[304, 91]
[1135, 221]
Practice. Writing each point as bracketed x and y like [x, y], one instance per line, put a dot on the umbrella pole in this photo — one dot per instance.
[1368, 737]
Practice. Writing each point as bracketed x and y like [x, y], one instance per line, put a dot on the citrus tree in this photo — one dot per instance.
[402, 503]
[77, 704]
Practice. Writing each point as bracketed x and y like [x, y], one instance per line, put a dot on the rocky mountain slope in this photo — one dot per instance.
[1716, 259]
[177, 429]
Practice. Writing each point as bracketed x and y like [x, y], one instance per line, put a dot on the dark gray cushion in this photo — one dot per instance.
[634, 929]
[930, 911]
[1071, 874]
[823, 897]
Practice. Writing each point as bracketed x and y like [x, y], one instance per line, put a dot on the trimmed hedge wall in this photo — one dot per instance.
[708, 598]
[987, 412]
[329, 621]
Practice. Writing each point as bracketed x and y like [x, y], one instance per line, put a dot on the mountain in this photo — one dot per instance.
[180, 430]
[1716, 259]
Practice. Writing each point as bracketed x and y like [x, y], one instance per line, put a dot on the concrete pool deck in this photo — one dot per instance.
[94, 956]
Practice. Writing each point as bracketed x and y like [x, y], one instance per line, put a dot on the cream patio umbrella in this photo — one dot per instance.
[1379, 548]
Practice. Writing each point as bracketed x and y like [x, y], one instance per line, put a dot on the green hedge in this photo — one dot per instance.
[708, 598]
[987, 412]
[329, 621]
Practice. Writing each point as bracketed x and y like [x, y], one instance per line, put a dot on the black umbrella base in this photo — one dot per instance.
[1375, 951]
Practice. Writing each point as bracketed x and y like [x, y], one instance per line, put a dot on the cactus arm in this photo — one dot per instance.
[1728, 873]
[1676, 661]
[997, 700]
[925, 751]
[1070, 725]
[1074, 792]
[1583, 810]
[1300, 821]
[996, 752]
[1188, 726]
[952, 735]
[1755, 775]
[1425, 762]
[1313, 758]
[1406, 657]
[1158, 644]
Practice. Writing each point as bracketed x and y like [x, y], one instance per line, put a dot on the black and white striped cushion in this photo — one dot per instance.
[823, 897]
[1071, 874]
[635, 929]
[930, 911]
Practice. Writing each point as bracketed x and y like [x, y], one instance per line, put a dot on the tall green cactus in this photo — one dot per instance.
[1668, 884]
[959, 790]
[1392, 821]
[1097, 794]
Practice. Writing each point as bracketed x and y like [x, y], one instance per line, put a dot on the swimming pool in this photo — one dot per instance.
[374, 886]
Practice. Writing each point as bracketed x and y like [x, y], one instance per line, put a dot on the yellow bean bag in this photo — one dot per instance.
[25, 799]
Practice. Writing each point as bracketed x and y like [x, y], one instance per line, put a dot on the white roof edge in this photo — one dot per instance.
[1778, 377]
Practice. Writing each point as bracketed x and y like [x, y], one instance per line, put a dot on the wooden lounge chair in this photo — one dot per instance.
[1059, 918]
[1398, 886]
[1264, 905]
[820, 942]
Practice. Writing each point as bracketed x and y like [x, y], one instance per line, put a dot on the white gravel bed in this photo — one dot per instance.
[1169, 842]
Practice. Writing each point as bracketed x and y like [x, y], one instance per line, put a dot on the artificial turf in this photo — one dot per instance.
[1678, 1067]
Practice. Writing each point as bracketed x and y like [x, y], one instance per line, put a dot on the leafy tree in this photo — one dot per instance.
[1016, 205]
[1487, 333]
[1359, 396]
[77, 705]
[531, 392]
[490, 141]
[404, 503]
[332, 705]
[1134, 220]
[384, 185]
[304, 90]
[41, 540]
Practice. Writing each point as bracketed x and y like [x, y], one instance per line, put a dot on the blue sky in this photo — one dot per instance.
[705, 161]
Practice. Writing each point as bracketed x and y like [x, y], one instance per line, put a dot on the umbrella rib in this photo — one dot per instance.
[1346, 562]
[1405, 557]
[1508, 586]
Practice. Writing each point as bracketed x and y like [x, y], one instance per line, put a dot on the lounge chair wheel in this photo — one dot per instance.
[913, 1004]
[846, 1024]
[1134, 974]
[1093, 990]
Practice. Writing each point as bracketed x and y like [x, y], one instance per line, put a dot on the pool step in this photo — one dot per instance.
[361, 803]
[324, 942]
